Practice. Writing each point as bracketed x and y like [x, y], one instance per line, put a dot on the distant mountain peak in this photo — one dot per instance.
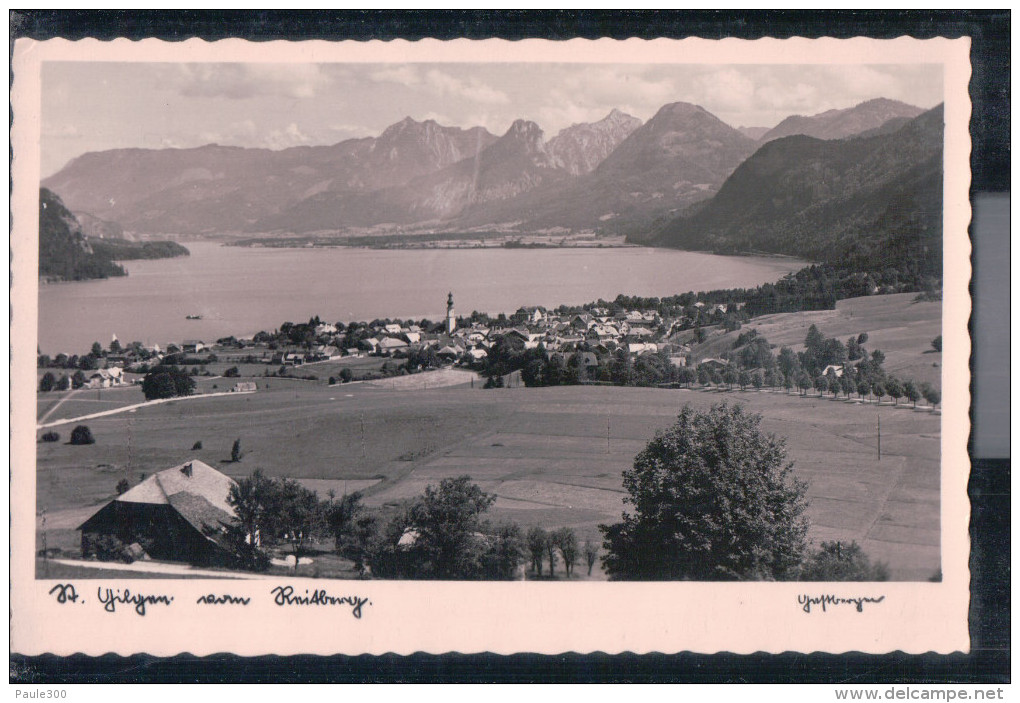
[680, 109]
[581, 147]
[840, 123]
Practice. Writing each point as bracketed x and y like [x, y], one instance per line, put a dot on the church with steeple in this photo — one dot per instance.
[451, 318]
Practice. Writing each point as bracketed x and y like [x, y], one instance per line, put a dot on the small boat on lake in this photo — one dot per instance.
[192, 317]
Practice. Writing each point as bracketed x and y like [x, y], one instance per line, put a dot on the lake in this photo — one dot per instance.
[239, 291]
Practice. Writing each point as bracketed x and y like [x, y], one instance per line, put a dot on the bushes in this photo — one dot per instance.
[836, 561]
[167, 382]
[82, 435]
[47, 382]
[196, 446]
[51, 437]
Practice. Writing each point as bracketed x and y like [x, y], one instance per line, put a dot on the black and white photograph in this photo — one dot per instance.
[564, 321]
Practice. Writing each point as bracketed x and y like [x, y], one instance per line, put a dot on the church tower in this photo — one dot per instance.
[451, 319]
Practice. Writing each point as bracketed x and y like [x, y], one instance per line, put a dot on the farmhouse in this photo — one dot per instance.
[178, 514]
[104, 378]
[192, 346]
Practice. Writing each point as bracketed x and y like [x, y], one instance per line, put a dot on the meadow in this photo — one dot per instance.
[553, 456]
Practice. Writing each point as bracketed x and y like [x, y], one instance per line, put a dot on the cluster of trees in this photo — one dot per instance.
[861, 372]
[441, 534]
[585, 365]
[167, 381]
[713, 498]
[815, 287]
[117, 249]
[548, 547]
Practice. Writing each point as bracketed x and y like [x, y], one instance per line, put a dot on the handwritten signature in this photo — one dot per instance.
[807, 601]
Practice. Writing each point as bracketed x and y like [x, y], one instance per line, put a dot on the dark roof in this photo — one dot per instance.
[200, 513]
[194, 489]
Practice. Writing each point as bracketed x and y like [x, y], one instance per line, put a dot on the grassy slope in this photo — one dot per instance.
[901, 328]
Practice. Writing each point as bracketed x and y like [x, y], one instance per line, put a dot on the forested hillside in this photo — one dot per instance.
[65, 253]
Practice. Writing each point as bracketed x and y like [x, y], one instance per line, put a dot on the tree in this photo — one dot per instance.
[250, 498]
[863, 388]
[82, 435]
[878, 390]
[446, 522]
[911, 393]
[295, 511]
[536, 541]
[232, 372]
[931, 394]
[504, 554]
[877, 358]
[550, 553]
[235, 451]
[704, 377]
[836, 561]
[744, 379]
[566, 540]
[591, 553]
[64, 383]
[346, 375]
[714, 498]
[731, 377]
[51, 436]
[936, 343]
[97, 350]
[123, 486]
[894, 389]
[78, 379]
[821, 385]
[167, 381]
[353, 529]
[115, 347]
[757, 381]
[47, 382]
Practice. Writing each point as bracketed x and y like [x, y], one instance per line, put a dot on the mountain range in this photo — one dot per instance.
[614, 175]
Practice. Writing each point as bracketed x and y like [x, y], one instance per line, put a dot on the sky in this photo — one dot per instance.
[94, 106]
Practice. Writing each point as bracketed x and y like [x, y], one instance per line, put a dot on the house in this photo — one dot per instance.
[105, 378]
[641, 347]
[392, 329]
[178, 514]
[532, 314]
[192, 346]
[389, 345]
[833, 368]
[244, 387]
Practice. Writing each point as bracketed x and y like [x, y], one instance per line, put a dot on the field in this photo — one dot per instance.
[553, 456]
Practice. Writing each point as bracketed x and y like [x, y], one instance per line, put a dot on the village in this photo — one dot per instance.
[592, 334]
